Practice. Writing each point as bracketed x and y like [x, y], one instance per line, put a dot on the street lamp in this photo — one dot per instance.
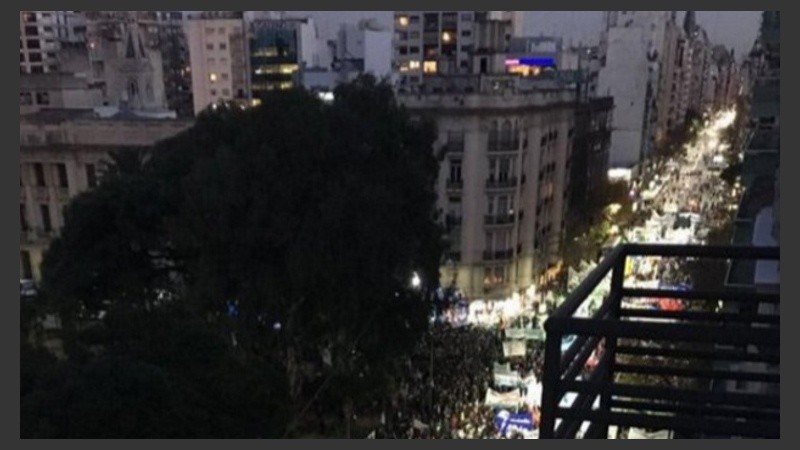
[416, 282]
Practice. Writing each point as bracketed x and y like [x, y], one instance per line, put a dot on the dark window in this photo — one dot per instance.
[62, 175]
[91, 175]
[25, 98]
[42, 98]
[23, 217]
[455, 170]
[35, 57]
[31, 31]
[47, 224]
[27, 270]
[38, 173]
[466, 33]
[413, 19]
[404, 50]
[34, 44]
[37, 69]
[414, 50]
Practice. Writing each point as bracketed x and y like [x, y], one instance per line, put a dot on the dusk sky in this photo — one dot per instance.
[730, 28]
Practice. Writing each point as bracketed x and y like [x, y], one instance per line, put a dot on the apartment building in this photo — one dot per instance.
[62, 153]
[631, 48]
[431, 43]
[38, 42]
[218, 59]
[504, 145]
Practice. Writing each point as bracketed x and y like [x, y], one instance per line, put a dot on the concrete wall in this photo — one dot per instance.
[625, 77]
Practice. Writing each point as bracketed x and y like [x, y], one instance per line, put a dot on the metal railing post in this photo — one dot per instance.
[551, 390]
[610, 344]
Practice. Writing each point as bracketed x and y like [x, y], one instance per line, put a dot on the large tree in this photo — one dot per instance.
[293, 228]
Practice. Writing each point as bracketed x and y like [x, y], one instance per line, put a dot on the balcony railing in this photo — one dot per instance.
[510, 182]
[501, 219]
[455, 185]
[625, 363]
[502, 145]
[498, 255]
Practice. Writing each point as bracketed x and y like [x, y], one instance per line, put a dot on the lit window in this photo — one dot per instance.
[447, 37]
[402, 21]
[429, 67]
[413, 65]
[212, 77]
[255, 102]
[288, 69]
[404, 66]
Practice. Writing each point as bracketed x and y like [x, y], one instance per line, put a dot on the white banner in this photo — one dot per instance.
[515, 348]
[506, 379]
[502, 368]
[515, 333]
[509, 400]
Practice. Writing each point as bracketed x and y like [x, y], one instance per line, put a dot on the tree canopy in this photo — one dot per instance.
[290, 230]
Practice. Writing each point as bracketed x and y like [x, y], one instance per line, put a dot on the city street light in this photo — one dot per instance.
[416, 282]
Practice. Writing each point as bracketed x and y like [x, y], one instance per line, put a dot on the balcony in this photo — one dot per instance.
[500, 145]
[500, 219]
[506, 183]
[498, 255]
[621, 355]
[455, 185]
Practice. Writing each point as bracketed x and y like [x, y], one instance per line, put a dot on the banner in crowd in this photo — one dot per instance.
[515, 333]
[506, 379]
[502, 368]
[507, 422]
[534, 334]
[509, 400]
[514, 348]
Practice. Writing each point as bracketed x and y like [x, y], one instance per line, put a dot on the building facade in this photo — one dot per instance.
[38, 42]
[279, 50]
[218, 59]
[632, 46]
[504, 176]
[431, 43]
[62, 153]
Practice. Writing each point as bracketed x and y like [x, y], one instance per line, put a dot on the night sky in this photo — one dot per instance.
[730, 28]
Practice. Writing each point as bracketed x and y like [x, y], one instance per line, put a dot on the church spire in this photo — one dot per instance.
[689, 22]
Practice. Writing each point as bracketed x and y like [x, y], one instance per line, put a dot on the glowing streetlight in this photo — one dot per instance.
[416, 282]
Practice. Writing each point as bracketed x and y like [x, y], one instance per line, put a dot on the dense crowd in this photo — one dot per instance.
[446, 384]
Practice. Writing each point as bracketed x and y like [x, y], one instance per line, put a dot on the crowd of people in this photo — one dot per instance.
[443, 395]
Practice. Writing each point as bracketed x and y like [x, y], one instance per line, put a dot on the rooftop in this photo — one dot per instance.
[55, 116]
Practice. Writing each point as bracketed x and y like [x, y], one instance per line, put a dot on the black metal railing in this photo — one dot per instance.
[666, 368]
[501, 183]
[499, 219]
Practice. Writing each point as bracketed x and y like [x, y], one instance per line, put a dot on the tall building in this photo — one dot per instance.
[699, 48]
[176, 67]
[632, 46]
[430, 43]
[503, 180]
[38, 42]
[758, 220]
[279, 50]
[62, 153]
[363, 48]
[218, 59]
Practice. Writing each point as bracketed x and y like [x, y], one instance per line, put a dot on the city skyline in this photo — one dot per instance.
[737, 29]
